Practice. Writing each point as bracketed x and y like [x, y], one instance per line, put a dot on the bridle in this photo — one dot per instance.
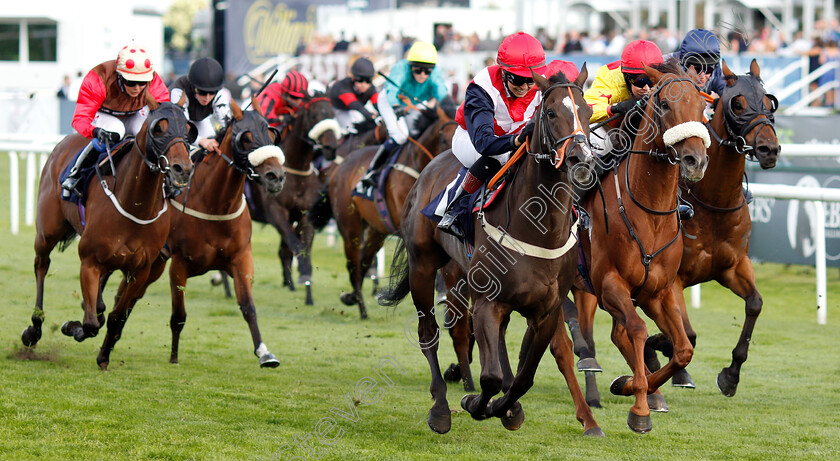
[755, 115]
[546, 139]
[156, 146]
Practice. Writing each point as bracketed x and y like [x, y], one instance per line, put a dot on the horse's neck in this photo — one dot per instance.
[544, 187]
[725, 171]
[138, 189]
[652, 181]
[414, 156]
[298, 152]
[225, 182]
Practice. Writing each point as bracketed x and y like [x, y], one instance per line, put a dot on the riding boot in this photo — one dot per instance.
[449, 222]
[748, 196]
[379, 159]
[685, 210]
[72, 181]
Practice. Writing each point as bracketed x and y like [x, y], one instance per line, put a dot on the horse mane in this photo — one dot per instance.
[671, 66]
[559, 77]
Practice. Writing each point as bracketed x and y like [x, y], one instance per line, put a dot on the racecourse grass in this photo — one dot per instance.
[218, 404]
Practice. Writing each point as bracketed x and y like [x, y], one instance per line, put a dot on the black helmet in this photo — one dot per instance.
[206, 74]
[362, 68]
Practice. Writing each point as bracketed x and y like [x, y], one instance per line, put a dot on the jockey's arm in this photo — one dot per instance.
[397, 131]
[158, 89]
[91, 96]
[478, 115]
[599, 96]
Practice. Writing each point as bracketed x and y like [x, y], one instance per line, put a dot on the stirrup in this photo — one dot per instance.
[449, 225]
[686, 211]
[70, 183]
[368, 179]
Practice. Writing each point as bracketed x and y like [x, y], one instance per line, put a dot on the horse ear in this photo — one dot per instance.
[182, 100]
[654, 74]
[256, 105]
[754, 70]
[728, 75]
[235, 110]
[542, 82]
[692, 73]
[150, 100]
[441, 113]
[582, 75]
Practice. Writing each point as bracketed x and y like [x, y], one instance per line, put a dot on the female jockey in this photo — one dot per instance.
[280, 101]
[112, 103]
[415, 78]
[349, 96]
[208, 104]
[493, 119]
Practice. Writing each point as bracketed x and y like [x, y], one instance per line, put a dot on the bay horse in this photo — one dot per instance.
[313, 127]
[361, 224]
[718, 236]
[633, 248]
[211, 225]
[544, 269]
[124, 224]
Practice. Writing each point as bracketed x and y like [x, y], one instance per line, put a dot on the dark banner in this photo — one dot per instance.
[784, 230]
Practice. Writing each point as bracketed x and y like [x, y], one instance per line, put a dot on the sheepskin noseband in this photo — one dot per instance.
[687, 130]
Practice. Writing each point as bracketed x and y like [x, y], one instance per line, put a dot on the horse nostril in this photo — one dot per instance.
[690, 161]
[177, 169]
[762, 150]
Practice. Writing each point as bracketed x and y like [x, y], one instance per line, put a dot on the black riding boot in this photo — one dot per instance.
[379, 159]
[72, 181]
[483, 169]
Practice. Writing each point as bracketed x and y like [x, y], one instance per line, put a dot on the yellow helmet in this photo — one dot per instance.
[422, 52]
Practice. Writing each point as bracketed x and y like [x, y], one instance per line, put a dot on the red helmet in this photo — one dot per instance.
[295, 84]
[568, 68]
[520, 53]
[639, 53]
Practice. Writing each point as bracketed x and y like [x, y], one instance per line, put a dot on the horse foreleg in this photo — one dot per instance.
[741, 280]
[586, 304]
[178, 318]
[457, 319]
[100, 301]
[561, 348]
[504, 360]
[373, 243]
[351, 229]
[132, 288]
[89, 275]
[665, 312]
[487, 320]
[307, 232]
[242, 270]
[285, 254]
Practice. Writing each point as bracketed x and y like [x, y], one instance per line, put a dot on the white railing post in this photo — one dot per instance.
[14, 186]
[695, 296]
[820, 262]
[29, 200]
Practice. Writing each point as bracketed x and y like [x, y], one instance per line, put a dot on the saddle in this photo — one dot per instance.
[86, 174]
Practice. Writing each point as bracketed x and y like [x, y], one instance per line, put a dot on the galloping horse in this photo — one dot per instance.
[363, 227]
[314, 127]
[211, 224]
[544, 268]
[742, 126]
[123, 226]
[633, 248]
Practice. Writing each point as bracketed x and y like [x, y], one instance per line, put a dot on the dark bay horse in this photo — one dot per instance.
[211, 224]
[719, 234]
[544, 268]
[633, 248]
[124, 226]
[363, 229]
[313, 127]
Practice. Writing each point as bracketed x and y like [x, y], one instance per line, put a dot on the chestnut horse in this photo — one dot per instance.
[362, 227]
[544, 272]
[211, 224]
[124, 225]
[742, 126]
[633, 248]
[314, 127]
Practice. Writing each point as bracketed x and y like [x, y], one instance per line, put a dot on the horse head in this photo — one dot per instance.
[674, 119]
[165, 141]
[747, 111]
[316, 124]
[252, 146]
[560, 134]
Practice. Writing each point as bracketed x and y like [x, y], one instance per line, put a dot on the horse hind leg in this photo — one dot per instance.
[44, 245]
[742, 282]
[305, 259]
[242, 271]
[286, 255]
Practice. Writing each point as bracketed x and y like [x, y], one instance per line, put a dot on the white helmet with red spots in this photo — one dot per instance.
[134, 64]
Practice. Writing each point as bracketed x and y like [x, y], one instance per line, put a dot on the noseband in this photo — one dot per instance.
[255, 124]
[566, 143]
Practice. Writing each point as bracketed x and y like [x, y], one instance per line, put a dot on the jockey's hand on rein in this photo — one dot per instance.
[106, 136]
[526, 132]
[622, 107]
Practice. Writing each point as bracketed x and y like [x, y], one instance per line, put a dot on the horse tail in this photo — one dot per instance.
[398, 286]
[321, 211]
[65, 240]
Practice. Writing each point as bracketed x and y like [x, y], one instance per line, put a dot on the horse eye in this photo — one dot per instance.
[664, 105]
[737, 105]
[550, 113]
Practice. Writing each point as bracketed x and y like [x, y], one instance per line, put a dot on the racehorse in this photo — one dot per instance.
[123, 226]
[362, 225]
[211, 224]
[544, 269]
[719, 234]
[313, 127]
[633, 247]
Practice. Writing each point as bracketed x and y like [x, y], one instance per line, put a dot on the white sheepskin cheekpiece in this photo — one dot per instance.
[687, 130]
[264, 153]
[328, 124]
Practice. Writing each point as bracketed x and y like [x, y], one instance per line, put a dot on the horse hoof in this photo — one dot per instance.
[618, 384]
[269, 361]
[69, 328]
[589, 364]
[594, 403]
[726, 385]
[348, 299]
[656, 402]
[513, 419]
[639, 424]
[363, 312]
[440, 423]
[594, 432]
[30, 336]
[469, 386]
[467, 403]
[453, 373]
[216, 279]
[682, 379]
[173, 361]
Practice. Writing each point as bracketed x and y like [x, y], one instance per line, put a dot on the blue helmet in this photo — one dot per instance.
[700, 48]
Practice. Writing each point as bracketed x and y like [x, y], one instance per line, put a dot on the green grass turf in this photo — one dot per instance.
[218, 404]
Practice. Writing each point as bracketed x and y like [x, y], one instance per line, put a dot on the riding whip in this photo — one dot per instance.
[262, 88]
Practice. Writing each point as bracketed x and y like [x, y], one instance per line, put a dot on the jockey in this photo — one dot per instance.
[207, 104]
[112, 103]
[280, 101]
[416, 77]
[494, 118]
[700, 49]
[349, 96]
